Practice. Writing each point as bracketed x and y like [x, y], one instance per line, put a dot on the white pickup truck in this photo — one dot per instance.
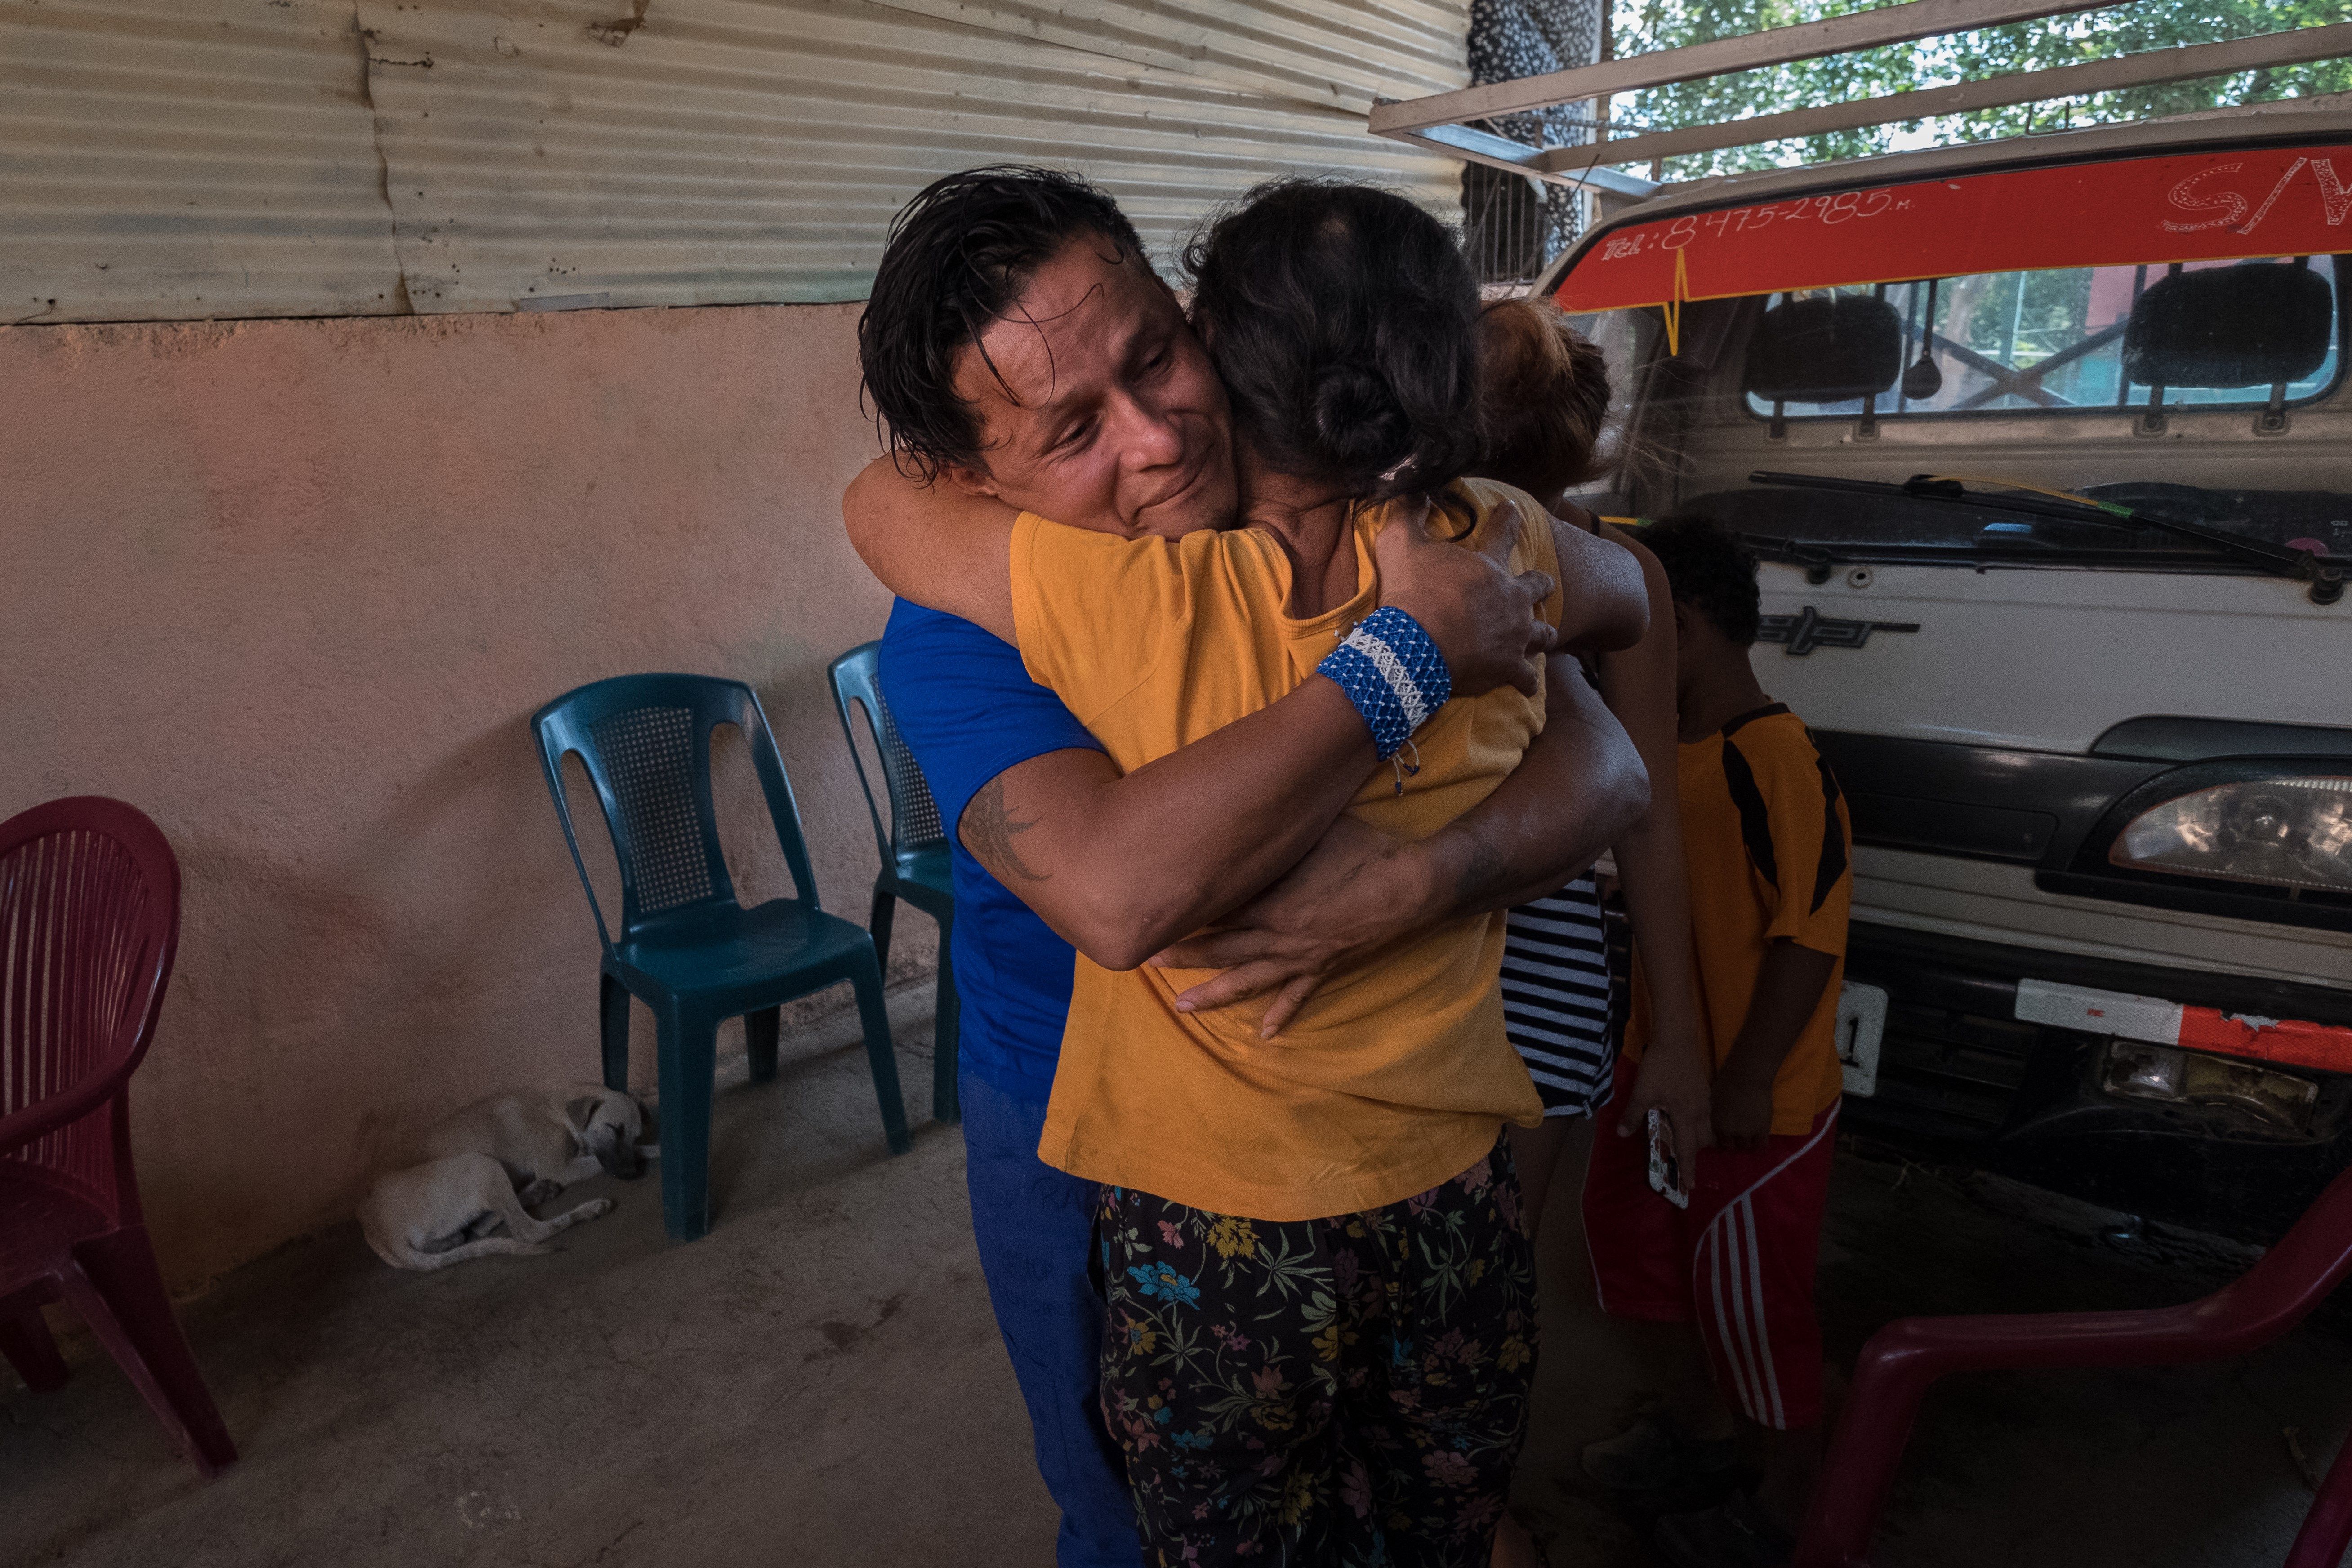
[2047, 451]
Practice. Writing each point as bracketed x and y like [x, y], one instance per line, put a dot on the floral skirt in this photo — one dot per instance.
[1339, 1393]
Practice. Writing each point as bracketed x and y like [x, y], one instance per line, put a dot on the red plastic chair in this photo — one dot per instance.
[90, 918]
[1904, 1357]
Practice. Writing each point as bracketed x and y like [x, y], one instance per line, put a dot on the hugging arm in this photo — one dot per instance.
[1117, 864]
[1580, 783]
[1121, 864]
[934, 544]
[1605, 598]
[1359, 890]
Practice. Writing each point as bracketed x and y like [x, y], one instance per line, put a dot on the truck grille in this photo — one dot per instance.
[1949, 1074]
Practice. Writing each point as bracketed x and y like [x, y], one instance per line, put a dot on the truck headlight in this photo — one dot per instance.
[2281, 833]
[2248, 1093]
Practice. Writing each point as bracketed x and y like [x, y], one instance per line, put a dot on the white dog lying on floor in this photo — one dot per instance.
[453, 1207]
[549, 1138]
[448, 1211]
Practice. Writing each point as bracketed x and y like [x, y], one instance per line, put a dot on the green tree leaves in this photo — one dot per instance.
[1642, 26]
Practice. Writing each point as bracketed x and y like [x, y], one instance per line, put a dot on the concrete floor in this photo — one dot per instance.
[819, 1383]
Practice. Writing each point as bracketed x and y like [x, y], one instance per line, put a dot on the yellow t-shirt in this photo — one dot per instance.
[1396, 1075]
[1770, 856]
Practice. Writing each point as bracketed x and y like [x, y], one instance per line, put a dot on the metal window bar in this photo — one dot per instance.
[1504, 228]
[2123, 382]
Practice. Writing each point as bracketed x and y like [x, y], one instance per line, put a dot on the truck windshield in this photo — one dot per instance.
[2048, 341]
[2162, 331]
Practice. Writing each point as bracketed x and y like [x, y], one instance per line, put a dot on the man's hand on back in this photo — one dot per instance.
[1488, 624]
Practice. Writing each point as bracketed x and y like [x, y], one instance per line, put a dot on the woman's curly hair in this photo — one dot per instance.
[1545, 394]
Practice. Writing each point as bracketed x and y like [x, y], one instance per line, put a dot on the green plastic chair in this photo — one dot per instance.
[914, 849]
[687, 947]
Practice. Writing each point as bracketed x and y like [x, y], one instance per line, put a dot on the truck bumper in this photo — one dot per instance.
[2215, 1100]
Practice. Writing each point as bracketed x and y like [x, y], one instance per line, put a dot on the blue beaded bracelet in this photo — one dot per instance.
[1393, 673]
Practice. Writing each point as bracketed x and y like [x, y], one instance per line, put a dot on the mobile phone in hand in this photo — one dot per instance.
[1665, 1171]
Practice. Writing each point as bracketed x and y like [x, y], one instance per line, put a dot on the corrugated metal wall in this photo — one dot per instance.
[186, 158]
[175, 159]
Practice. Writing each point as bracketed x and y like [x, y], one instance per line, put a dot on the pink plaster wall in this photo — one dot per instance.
[293, 589]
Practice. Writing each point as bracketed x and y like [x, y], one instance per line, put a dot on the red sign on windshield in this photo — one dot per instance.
[2199, 206]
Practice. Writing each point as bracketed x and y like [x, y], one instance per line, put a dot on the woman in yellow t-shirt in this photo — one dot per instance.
[1320, 1299]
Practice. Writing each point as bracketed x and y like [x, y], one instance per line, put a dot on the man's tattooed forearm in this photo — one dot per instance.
[1484, 877]
[988, 830]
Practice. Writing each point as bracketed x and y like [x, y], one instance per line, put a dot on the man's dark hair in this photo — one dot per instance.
[958, 257]
[1344, 320]
[1710, 571]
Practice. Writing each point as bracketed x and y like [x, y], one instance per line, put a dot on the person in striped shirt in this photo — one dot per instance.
[1544, 393]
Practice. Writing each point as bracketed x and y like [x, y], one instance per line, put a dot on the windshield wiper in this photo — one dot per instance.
[1819, 559]
[2327, 581]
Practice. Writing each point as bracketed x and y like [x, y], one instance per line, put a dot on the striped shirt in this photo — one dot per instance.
[1556, 996]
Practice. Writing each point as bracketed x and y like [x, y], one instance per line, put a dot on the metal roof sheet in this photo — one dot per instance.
[164, 158]
[273, 157]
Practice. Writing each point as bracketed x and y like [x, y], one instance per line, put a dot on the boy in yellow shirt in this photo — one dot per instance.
[1768, 849]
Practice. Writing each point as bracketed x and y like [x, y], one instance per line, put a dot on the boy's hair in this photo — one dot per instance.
[1710, 571]
[959, 254]
[1544, 389]
[1343, 319]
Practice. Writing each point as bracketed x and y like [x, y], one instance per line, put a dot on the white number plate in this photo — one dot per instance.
[1861, 1020]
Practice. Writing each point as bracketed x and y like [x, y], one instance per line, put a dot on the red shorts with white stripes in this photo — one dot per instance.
[1738, 1262]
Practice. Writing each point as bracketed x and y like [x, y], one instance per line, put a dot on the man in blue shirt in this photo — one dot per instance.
[967, 708]
[1136, 439]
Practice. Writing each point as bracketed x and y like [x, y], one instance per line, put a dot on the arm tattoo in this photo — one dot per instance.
[988, 830]
[1484, 877]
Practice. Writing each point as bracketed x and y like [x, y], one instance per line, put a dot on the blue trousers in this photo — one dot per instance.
[1034, 1225]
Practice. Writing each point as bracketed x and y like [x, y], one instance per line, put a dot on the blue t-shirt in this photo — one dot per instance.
[964, 703]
